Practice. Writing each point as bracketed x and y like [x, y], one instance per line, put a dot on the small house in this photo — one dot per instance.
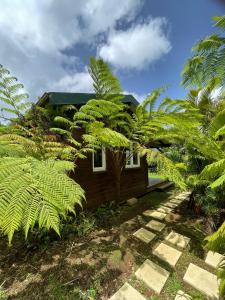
[94, 173]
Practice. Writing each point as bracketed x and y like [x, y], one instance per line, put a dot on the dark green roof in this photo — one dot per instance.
[58, 98]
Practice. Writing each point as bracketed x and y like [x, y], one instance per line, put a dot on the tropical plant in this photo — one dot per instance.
[34, 191]
[34, 184]
[13, 99]
[35, 188]
[110, 123]
[208, 60]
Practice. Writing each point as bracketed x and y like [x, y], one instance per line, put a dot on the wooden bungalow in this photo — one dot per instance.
[94, 174]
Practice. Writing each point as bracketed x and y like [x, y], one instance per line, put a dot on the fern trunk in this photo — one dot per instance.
[116, 167]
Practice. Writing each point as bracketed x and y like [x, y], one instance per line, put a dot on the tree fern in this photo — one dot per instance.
[12, 96]
[208, 61]
[35, 192]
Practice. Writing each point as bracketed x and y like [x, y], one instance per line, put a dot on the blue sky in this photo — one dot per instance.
[47, 43]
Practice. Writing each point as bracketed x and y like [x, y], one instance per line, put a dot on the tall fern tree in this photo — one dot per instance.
[104, 118]
[35, 189]
[13, 99]
[208, 59]
[109, 122]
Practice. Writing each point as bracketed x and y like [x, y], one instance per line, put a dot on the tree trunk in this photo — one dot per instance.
[116, 167]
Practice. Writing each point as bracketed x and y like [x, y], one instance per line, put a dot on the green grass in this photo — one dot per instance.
[154, 175]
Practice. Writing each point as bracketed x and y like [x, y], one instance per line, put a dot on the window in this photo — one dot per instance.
[99, 160]
[132, 159]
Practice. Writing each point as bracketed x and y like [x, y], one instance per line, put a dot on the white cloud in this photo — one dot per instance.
[35, 34]
[79, 82]
[138, 46]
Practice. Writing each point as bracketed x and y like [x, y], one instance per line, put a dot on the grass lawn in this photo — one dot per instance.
[97, 263]
[154, 175]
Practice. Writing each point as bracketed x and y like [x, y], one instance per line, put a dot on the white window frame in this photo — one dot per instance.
[129, 153]
[103, 167]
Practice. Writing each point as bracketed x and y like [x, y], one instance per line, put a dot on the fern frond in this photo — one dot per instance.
[35, 192]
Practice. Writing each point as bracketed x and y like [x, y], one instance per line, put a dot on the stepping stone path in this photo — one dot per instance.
[164, 209]
[167, 253]
[127, 292]
[156, 225]
[154, 214]
[182, 296]
[176, 201]
[144, 235]
[202, 280]
[214, 259]
[177, 239]
[153, 275]
[170, 205]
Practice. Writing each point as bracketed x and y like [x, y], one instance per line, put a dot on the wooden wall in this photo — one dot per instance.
[99, 186]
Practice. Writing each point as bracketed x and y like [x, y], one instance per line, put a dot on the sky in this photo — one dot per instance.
[46, 44]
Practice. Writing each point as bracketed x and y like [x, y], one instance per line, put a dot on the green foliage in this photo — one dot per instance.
[84, 224]
[34, 191]
[173, 285]
[221, 277]
[106, 85]
[208, 60]
[12, 97]
[3, 294]
[216, 242]
[165, 167]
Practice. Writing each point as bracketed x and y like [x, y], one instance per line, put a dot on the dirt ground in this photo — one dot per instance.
[94, 265]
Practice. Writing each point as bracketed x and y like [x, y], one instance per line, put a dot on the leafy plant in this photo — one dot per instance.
[3, 294]
[84, 224]
[33, 191]
[208, 60]
[35, 188]
[12, 97]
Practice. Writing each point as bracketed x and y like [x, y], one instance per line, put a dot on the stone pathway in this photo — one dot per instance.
[182, 296]
[164, 209]
[144, 235]
[214, 259]
[156, 225]
[171, 205]
[177, 239]
[202, 280]
[154, 214]
[127, 292]
[153, 275]
[167, 253]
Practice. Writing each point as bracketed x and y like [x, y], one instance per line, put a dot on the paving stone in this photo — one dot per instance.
[153, 275]
[164, 209]
[167, 253]
[155, 214]
[182, 296]
[132, 201]
[144, 235]
[127, 292]
[147, 212]
[156, 225]
[214, 259]
[171, 205]
[176, 201]
[202, 280]
[177, 239]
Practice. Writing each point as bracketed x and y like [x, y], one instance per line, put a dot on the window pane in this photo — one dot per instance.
[135, 158]
[128, 158]
[98, 158]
